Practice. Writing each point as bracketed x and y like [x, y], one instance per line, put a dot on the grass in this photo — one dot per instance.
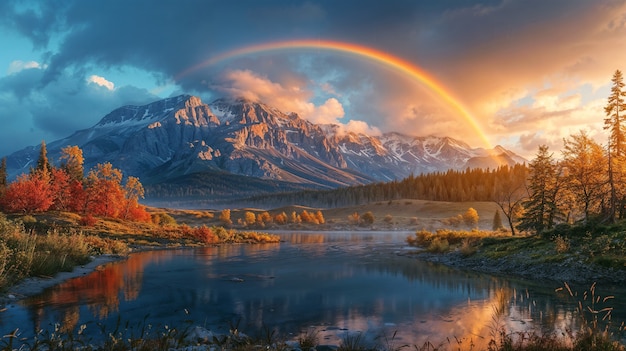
[41, 245]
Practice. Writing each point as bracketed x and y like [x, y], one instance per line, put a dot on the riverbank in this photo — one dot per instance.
[36, 285]
[570, 270]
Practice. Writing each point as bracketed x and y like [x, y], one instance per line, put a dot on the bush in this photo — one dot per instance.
[368, 218]
[438, 245]
[88, 220]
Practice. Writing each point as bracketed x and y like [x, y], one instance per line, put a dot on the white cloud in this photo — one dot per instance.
[101, 81]
[17, 66]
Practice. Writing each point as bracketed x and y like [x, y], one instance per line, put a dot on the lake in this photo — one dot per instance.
[331, 283]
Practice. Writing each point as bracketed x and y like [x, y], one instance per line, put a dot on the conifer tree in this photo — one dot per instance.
[616, 112]
[497, 221]
[42, 162]
[3, 175]
[541, 207]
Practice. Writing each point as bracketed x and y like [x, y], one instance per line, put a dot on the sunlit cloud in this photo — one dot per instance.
[287, 98]
[101, 81]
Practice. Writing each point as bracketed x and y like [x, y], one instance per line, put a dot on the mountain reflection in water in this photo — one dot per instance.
[333, 282]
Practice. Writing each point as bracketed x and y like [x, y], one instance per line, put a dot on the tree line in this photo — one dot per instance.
[66, 188]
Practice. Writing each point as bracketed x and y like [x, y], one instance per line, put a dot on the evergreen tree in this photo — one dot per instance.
[541, 207]
[616, 112]
[42, 162]
[497, 221]
[3, 175]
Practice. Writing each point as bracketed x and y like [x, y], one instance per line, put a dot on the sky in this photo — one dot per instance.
[516, 73]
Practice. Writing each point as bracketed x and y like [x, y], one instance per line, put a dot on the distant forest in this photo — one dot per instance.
[456, 186]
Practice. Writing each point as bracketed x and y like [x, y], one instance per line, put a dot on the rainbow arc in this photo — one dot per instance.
[369, 53]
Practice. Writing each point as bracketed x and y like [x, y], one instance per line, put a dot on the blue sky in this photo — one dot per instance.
[530, 71]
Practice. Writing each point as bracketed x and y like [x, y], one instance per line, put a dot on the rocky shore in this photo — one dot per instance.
[571, 270]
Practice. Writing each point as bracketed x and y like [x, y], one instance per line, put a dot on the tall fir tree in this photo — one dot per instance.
[42, 162]
[615, 113]
[541, 206]
[3, 175]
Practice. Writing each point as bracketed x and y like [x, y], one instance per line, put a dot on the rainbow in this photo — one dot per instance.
[374, 55]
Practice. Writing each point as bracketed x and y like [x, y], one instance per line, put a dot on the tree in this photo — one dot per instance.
[133, 191]
[72, 162]
[249, 218]
[60, 189]
[615, 113]
[104, 192]
[497, 221]
[541, 206]
[470, 217]
[3, 175]
[27, 194]
[225, 217]
[510, 191]
[42, 162]
[585, 172]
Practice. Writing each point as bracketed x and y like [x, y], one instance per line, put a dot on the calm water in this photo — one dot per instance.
[332, 283]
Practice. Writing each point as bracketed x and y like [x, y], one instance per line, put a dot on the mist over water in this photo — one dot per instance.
[332, 282]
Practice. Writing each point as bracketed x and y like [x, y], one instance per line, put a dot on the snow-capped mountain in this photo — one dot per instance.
[169, 140]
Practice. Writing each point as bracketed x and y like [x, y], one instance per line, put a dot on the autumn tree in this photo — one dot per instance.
[133, 191]
[28, 193]
[249, 218]
[104, 192]
[585, 169]
[543, 184]
[615, 113]
[60, 188]
[280, 218]
[72, 162]
[319, 216]
[225, 217]
[470, 217]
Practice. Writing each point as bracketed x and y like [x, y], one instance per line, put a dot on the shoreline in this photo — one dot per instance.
[36, 285]
[521, 266]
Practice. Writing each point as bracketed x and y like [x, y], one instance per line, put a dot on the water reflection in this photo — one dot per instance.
[334, 282]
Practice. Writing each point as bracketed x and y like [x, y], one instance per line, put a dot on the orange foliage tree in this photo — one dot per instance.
[28, 193]
[104, 192]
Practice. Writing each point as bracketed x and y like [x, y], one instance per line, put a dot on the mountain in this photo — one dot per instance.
[176, 145]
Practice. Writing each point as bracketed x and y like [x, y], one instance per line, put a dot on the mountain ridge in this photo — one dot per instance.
[180, 136]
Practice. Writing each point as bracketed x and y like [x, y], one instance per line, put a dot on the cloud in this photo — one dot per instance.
[101, 81]
[287, 98]
[30, 113]
[17, 65]
[515, 65]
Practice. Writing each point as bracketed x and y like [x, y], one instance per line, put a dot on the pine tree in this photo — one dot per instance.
[541, 207]
[497, 221]
[616, 112]
[3, 175]
[42, 162]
